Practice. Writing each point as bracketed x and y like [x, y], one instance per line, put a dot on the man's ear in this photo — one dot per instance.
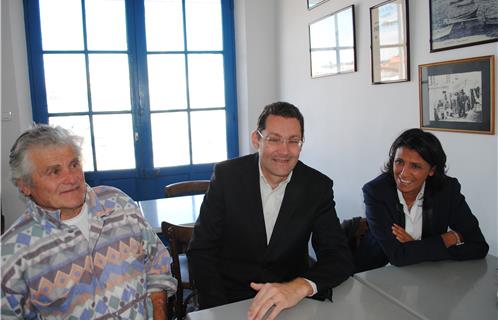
[255, 139]
[24, 187]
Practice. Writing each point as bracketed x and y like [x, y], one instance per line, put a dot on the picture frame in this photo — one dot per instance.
[333, 44]
[389, 42]
[458, 95]
[314, 3]
[461, 23]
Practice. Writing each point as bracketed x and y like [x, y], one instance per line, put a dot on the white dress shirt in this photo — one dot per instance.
[413, 216]
[272, 201]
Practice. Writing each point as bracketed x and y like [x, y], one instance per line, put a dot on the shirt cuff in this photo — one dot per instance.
[313, 286]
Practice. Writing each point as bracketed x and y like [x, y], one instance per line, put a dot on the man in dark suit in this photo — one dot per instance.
[251, 238]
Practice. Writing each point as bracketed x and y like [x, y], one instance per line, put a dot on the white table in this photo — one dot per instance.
[441, 290]
[351, 300]
[176, 210]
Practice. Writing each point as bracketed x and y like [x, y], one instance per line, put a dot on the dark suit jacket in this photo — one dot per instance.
[229, 250]
[442, 208]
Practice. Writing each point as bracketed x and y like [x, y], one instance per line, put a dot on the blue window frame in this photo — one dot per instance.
[155, 101]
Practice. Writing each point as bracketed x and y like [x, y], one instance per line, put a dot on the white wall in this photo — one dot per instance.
[350, 123]
[255, 29]
[15, 98]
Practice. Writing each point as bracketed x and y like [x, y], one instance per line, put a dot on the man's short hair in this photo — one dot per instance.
[283, 109]
[41, 135]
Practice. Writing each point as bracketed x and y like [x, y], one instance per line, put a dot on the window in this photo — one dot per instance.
[332, 44]
[149, 84]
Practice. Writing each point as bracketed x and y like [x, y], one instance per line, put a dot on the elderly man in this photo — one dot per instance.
[251, 238]
[77, 252]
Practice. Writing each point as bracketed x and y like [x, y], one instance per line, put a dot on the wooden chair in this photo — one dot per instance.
[179, 238]
[354, 229]
[184, 188]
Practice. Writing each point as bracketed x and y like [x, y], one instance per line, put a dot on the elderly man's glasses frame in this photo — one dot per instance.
[275, 141]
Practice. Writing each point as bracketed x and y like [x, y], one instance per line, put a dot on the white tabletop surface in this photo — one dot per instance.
[351, 300]
[176, 210]
[455, 290]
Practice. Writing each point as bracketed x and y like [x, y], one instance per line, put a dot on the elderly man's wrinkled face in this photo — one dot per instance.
[57, 180]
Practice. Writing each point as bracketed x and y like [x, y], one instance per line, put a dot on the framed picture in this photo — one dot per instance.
[332, 44]
[461, 23]
[390, 52]
[458, 95]
[314, 3]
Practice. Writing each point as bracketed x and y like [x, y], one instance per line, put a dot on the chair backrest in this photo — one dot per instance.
[354, 229]
[179, 238]
[184, 188]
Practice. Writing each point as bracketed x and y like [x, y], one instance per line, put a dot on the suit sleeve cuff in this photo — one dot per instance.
[313, 286]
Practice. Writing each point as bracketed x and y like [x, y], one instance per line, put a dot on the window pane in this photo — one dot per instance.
[208, 136]
[203, 20]
[167, 88]
[323, 62]
[390, 25]
[170, 140]
[345, 24]
[106, 24]
[392, 66]
[322, 33]
[61, 31]
[164, 25]
[347, 60]
[206, 82]
[114, 141]
[109, 82]
[65, 81]
[79, 125]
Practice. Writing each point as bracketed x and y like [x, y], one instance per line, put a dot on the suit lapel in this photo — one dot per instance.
[257, 219]
[285, 214]
[427, 212]
[398, 215]
[287, 210]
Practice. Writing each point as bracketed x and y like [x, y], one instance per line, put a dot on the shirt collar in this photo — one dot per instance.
[418, 199]
[263, 178]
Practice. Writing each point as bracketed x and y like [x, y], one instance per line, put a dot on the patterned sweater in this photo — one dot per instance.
[51, 271]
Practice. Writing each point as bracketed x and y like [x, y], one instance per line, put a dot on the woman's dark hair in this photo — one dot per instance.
[283, 109]
[427, 146]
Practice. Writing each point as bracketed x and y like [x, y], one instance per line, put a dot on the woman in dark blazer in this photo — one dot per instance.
[415, 211]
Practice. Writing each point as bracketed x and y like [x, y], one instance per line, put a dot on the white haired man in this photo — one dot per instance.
[77, 252]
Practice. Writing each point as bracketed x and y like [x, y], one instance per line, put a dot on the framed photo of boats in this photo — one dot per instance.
[332, 44]
[461, 23]
[389, 42]
[458, 95]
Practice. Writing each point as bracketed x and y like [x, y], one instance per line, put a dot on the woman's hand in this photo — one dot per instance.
[400, 234]
[451, 238]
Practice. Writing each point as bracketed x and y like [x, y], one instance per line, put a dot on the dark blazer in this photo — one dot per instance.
[442, 208]
[229, 250]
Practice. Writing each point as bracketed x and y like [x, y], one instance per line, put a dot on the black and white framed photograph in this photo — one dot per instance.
[332, 44]
[314, 3]
[390, 53]
[461, 23]
[458, 95]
